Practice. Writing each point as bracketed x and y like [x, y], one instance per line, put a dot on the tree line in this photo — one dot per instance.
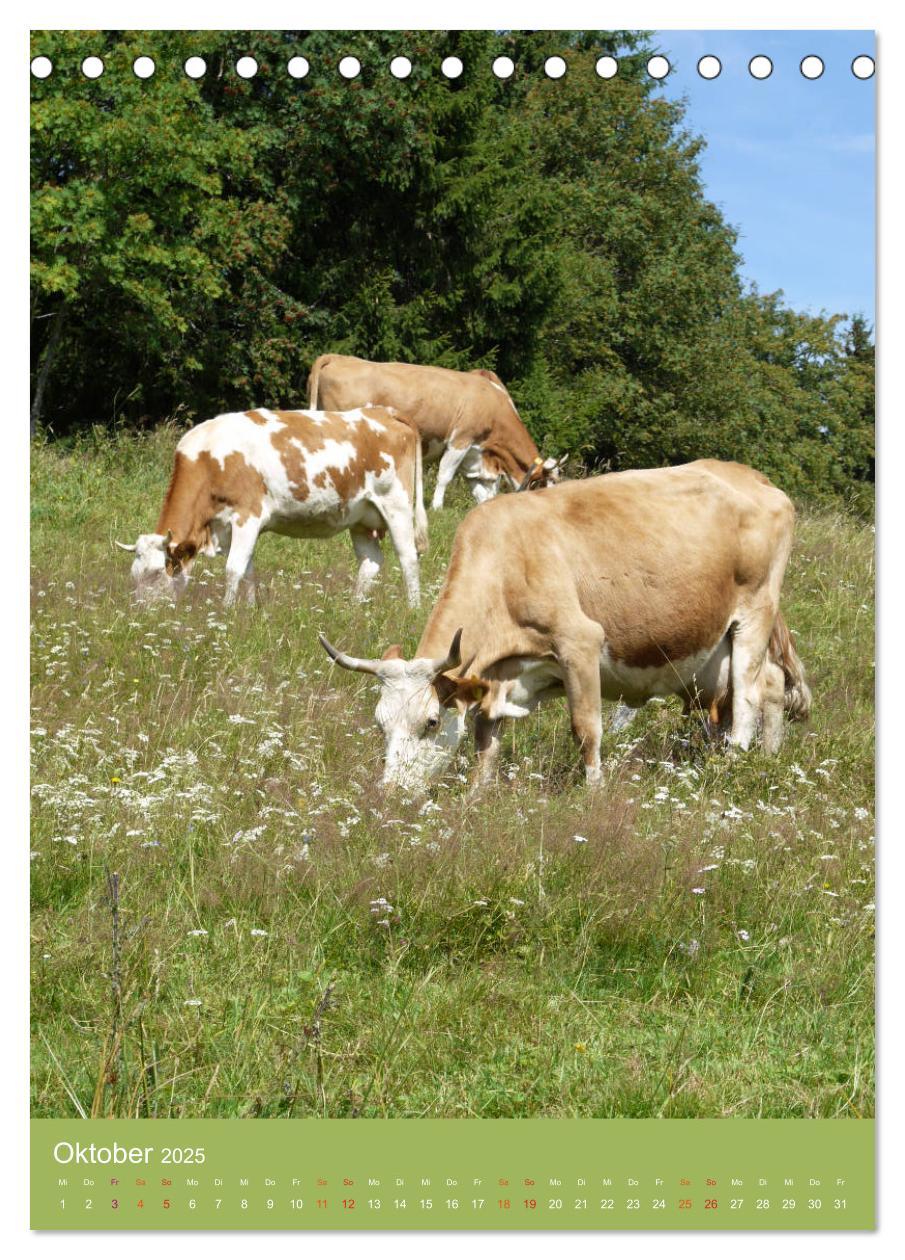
[197, 243]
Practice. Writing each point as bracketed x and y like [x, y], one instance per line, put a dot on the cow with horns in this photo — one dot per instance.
[622, 587]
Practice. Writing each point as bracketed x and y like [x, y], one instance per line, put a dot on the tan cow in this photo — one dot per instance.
[623, 587]
[467, 420]
[308, 474]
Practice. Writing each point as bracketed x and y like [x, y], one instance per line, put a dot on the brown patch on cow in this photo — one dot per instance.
[293, 459]
[372, 451]
[393, 653]
[667, 629]
[199, 489]
[467, 691]
[256, 417]
[369, 455]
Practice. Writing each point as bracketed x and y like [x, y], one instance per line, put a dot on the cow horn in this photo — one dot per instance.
[357, 663]
[526, 480]
[124, 546]
[452, 658]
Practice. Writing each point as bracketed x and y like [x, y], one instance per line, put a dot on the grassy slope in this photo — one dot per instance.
[219, 765]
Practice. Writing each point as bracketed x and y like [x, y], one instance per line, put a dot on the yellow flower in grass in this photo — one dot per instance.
[581, 1047]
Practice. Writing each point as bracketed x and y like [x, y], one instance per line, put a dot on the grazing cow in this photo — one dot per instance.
[637, 584]
[308, 474]
[467, 420]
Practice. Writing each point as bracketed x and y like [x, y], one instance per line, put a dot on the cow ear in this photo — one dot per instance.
[393, 653]
[467, 691]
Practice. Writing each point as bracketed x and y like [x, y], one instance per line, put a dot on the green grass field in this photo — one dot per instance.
[696, 939]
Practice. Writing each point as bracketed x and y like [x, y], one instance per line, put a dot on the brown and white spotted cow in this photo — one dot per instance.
[467, 420]
[308, 474]
[637, 584]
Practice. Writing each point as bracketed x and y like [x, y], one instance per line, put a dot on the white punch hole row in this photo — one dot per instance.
[658, 67]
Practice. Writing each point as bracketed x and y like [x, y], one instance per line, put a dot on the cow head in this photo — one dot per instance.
[421, 711]
[542, 473]
[160, 568]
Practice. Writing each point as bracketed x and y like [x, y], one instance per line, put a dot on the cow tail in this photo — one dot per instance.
[797, 691]
[420, 514]
[313, 380]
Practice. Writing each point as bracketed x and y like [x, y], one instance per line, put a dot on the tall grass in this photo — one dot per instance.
[229, 919]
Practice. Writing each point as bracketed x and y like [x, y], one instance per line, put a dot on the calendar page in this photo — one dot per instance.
[452, 639]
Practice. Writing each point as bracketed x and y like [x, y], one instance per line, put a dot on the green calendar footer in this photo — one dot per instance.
[452, 1174]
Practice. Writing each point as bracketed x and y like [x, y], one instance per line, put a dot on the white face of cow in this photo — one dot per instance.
[421, 734]
[150, 576]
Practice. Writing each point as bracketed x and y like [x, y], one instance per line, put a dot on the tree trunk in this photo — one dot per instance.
[47, 361]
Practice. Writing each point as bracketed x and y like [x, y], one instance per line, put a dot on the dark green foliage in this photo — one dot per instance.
[197, 243]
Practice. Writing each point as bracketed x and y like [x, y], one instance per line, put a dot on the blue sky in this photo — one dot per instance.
[789, 161]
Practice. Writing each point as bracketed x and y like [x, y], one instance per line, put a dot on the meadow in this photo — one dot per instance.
[230, 918]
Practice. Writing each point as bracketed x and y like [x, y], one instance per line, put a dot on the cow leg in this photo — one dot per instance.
[449, 465]
[774, 694]
[396, 510]
[749, 650]
[370, 557]
[581, 679]
[487, 743]
[239, 566]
